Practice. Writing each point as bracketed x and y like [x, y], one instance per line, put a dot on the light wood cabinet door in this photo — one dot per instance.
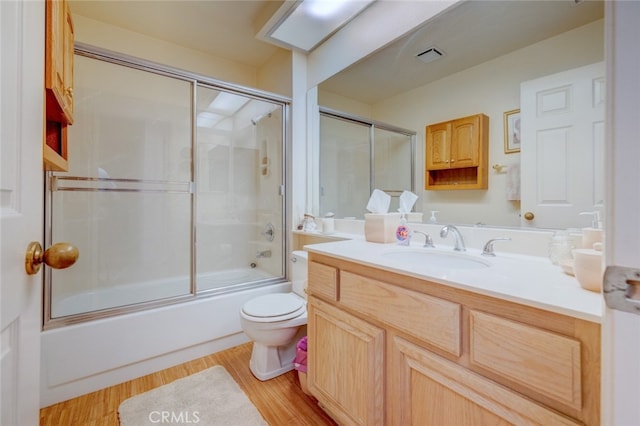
[427, 389]
[438, 153]
[465, 142]
[345, 365]
[59, 45]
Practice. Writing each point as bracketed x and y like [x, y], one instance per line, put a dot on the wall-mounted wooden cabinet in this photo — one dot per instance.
[457, 154]
[59, 45]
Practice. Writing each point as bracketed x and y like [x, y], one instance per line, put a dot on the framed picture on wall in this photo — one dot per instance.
[512, 131]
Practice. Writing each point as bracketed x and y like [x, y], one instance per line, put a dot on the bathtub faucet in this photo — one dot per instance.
[263, 253]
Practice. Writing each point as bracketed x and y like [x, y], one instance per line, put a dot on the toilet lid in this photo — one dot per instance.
[284, 305]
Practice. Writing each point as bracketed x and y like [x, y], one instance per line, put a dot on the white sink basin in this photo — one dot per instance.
[435, 259]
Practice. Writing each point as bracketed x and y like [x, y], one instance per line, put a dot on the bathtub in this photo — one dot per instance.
[131, 294]
[82, 358]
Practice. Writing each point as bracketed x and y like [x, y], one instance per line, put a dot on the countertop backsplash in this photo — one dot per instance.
[530, 242]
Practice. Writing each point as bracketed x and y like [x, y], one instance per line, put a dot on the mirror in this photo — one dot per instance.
[357, 156]
[480, 70]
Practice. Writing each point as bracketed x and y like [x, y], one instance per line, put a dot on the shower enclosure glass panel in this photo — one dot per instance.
[126, 200]
[239, 173]
[358, 156]
[345, 167]
[392, 164]
[175, 190]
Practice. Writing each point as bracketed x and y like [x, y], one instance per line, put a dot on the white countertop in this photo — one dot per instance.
[528, 280]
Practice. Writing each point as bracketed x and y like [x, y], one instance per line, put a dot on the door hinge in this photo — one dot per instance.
[621, 288]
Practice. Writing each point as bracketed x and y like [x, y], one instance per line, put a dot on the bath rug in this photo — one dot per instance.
[208, 398]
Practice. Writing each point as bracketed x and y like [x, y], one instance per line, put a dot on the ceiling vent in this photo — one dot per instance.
[430, 55]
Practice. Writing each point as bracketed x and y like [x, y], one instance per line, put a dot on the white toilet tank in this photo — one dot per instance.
[299, 272]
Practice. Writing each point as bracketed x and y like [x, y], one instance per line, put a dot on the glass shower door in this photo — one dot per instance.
[357, 156]
[393, 167]
[239, 176]
[126, 201]
[345, 167]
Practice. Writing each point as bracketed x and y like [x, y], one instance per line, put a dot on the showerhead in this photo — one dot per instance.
[255, 120]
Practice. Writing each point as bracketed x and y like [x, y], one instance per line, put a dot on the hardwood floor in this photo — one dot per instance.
[279, 400]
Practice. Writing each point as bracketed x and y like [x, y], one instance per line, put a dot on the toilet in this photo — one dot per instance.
[275, 323]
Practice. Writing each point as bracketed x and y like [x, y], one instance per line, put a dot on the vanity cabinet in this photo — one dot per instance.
[59, 46]
[347, 356]
[456, 154]
[388, 348]
[441, 392]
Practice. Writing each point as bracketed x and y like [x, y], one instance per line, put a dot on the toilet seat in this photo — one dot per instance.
[274, 307]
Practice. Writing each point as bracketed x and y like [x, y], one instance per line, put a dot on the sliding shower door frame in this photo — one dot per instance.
[49, 180]
[373, 125]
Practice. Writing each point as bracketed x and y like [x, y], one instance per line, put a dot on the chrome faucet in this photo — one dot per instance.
[263, 253]
[488, 247]
[457, 237]
[428, 242]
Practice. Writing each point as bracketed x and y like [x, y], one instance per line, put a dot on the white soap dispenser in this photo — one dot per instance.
[433, 218]
[593, 234]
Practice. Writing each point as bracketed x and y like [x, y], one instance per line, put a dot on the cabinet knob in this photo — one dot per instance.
[529, 216]
[69, 91]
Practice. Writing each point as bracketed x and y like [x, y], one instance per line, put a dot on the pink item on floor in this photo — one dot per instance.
[300, 361]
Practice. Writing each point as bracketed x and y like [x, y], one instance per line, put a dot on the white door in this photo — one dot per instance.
[621, 330]
[21, 204]
[562, 149]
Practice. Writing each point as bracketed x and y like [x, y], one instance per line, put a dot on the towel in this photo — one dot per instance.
[513, 182]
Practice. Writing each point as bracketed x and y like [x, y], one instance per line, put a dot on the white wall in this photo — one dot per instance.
[490, 88]
[342, 103]
[273, 77]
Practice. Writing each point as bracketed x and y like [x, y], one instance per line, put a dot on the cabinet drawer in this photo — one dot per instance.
[547, 363]
[323, 281]
[434, 320]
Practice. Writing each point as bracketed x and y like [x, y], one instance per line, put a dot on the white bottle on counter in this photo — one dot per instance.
[593, 234]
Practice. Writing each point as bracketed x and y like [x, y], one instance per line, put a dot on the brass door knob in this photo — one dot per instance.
[58, 256]
[529, 216]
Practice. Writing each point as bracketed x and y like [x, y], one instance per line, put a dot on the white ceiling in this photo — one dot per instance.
[223, 28]
[471, 33]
